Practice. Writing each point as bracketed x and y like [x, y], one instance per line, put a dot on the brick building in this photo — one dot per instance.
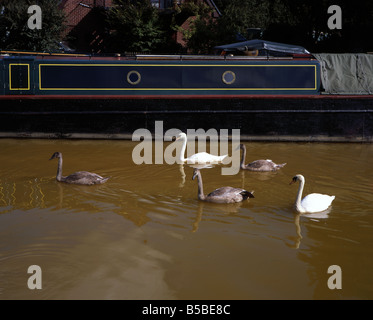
[85, 24]
[85, 21]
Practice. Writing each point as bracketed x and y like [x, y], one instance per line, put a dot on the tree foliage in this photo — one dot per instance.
[200, 31]
[135, 26]
[237, 17]
[302, 22]
[15, 34]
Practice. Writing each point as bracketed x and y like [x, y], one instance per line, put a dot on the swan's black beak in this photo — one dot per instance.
[54, 155]
[240, 146]
[195, 174]
[294, 180]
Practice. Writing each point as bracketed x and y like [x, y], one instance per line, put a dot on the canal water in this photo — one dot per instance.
[145, 235]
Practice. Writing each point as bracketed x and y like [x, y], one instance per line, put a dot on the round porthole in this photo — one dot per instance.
[228, 77]
[133, 77]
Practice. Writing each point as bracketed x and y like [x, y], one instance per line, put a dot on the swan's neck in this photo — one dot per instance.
[201, 195]
[59, 170]
[298, 204]
[242, 165]
[182, 152]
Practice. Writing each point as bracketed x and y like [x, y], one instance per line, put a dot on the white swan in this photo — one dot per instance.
[200, 158]
[314, 202]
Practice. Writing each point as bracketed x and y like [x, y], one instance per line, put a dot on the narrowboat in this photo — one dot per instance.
[269, 91]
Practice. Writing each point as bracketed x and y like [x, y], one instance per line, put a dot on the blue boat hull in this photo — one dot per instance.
[128, 78]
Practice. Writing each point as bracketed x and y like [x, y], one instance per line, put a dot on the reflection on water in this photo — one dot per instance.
[145, 235]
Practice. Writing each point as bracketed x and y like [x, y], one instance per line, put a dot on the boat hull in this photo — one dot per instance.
[132, 78]
[266, 99]
[259, 118]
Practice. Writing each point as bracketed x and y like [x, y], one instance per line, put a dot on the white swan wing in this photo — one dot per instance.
[204, 157]
[317, 202]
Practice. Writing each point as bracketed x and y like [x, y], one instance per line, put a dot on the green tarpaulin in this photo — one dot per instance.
[346, 73]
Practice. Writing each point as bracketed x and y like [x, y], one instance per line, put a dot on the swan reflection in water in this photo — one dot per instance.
[312, 216]
[226, 209]
[194, 166]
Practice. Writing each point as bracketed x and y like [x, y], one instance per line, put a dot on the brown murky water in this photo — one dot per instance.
[145, 235]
